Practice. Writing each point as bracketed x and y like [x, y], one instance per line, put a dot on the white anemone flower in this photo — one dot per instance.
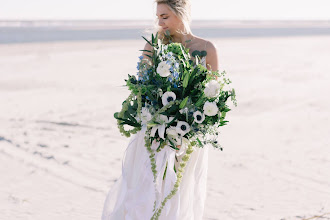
[212, 89]
[168, 97]
[198, 117]
[210, 108]
[163, 69]
[182, 127]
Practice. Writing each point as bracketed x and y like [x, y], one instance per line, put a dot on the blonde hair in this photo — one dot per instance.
[182, 9]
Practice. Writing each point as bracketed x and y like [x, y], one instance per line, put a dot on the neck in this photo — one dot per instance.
[182, 38]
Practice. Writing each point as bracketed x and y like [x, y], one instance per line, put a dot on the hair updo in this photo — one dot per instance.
[182, 9]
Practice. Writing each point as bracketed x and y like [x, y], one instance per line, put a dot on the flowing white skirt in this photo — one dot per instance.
[132, 196]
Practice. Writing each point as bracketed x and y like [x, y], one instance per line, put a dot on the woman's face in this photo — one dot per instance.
[167, 19]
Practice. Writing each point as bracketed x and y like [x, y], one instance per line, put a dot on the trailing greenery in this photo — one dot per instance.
[183, 164]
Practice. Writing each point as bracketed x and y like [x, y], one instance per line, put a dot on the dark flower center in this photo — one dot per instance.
[199, 117]
[183, 127]
[170, 99]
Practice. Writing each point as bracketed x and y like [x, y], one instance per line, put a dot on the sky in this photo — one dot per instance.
[145, 9]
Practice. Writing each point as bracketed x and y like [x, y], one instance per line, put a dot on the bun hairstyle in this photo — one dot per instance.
[182, 9]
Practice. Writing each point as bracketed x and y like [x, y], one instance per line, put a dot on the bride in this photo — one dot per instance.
[133, 195]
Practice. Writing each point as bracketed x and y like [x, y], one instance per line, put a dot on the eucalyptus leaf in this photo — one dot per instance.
[203, 53]
[196, 53]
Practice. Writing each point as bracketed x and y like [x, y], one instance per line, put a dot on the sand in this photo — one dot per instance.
[60, 149]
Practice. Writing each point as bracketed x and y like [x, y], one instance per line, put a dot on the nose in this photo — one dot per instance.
[160, 22]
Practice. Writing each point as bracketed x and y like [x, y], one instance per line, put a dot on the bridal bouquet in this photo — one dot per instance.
[179, 102]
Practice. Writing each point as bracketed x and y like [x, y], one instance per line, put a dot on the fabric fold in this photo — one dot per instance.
[132, 196]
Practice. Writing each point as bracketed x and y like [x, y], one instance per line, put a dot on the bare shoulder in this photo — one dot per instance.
[207, 45]
[212, 54]
[211, 48]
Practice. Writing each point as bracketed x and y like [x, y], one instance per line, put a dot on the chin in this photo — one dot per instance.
[163, 31]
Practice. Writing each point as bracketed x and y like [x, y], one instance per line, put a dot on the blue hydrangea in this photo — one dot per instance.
[143, 76]
[176, 75]
[169, 55]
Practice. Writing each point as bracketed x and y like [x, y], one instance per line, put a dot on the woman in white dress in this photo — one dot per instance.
[133, 195]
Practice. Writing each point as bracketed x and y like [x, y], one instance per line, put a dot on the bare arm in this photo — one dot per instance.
[212, 57]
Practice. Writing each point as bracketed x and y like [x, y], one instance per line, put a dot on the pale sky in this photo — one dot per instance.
[145, 9]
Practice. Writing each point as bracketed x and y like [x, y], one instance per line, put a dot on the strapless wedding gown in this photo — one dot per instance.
[132, 196]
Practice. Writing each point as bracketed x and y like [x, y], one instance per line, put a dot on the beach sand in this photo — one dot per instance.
[61, 151]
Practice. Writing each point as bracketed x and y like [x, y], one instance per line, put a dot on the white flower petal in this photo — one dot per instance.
[171, 131]
[163, 69]
[196, 118]
[180, 125]
[166, 96]
[212, 89]
[210, 108]
[161, 131]
[163, 119]
[153, 131]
